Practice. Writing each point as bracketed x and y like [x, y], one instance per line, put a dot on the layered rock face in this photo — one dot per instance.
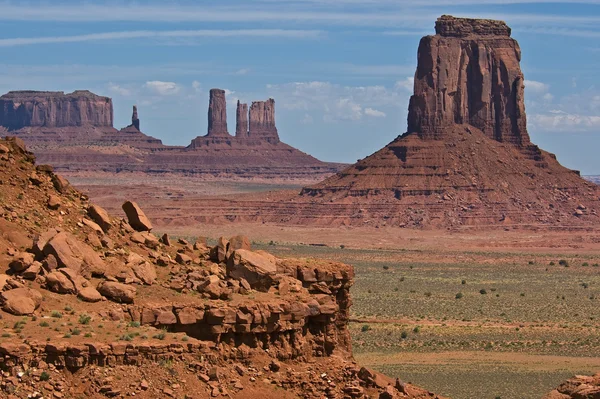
[241, 119]
[217, 114]
[469, 73]
[262, 121]
[19, 109]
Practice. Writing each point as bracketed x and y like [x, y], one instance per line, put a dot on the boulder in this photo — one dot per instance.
[136, 217]
[256, 269]
[59, 283]
[60, 183]
[94, 226]
[238, 242]
[219, 252]
[53, 202]
[32, 271]
[118, 292]
[89, 294]
[21, 261]
[21, 301]
[100, 216]
[74, 254]
[183, 259]
[146, 272]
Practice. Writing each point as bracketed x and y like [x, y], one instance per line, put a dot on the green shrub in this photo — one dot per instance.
[404, 335]
[44, 324]
[365, 328]
[482, 291]
[459, 295]
[85, 319]
[134, 324]
[563, 262]
[44, 376]
[463, 282]
[56, 314]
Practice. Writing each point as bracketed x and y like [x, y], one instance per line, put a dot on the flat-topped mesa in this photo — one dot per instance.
[19, 109]
[262, 121]
[217, 114]
[450, 26]
[241, 119]
[469, 73]
[135, 120]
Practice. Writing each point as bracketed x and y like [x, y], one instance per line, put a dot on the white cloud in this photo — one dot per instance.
[560, 121]
[163, 88]
[308, 119]
[548, 97]
[406, 84]
[147, 34]
[243, 71]
[374, 113]
[336, 102]
[196, 86]
[119, 90]
[532, 86]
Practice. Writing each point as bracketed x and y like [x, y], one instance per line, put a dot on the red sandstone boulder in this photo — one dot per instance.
[218, 253]
[100, 216]
[74, 254]
[256, 269]
[146, 272]
[21, 261]
[59, 283]
[21, 301]
[89, 294]
[136, 217]
[118, 292]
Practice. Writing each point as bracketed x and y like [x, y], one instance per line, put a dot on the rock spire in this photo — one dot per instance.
[217, 114]
[241, 117]
[135, 120]
[262, 121]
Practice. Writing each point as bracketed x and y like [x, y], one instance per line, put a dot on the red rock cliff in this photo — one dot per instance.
[469, 73]
[135, 120]
[19, 109]
[217, 113]
[262, 121]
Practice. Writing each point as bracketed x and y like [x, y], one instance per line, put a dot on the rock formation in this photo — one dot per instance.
[68, 131]
[19, 109]
[467, 157]
[221, 318]
[262, 121]
[217, 114]
[135, 120]
[241, 119]
[469, 73]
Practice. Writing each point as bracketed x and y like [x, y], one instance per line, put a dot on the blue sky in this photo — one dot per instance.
[340, 70]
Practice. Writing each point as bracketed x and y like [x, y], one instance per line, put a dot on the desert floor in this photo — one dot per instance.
[474, 313]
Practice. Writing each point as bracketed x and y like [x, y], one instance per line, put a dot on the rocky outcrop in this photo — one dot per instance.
[135, 120]
[578, 387]
[19, 109]
[469, 73]
[241, 119]
[262, 121]
[217, 113]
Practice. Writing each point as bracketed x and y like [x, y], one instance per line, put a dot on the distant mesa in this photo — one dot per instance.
[19, 109]
[74, 133]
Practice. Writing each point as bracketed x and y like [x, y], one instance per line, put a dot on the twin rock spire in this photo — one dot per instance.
[256, 124]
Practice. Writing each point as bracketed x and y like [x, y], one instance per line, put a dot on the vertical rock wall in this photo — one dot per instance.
[262, 121]
[19, 109]
[217, 114]
[135, 120]
[469, 73]
[241, 117]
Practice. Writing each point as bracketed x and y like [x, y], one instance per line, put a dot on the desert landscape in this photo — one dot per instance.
[458, 261]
